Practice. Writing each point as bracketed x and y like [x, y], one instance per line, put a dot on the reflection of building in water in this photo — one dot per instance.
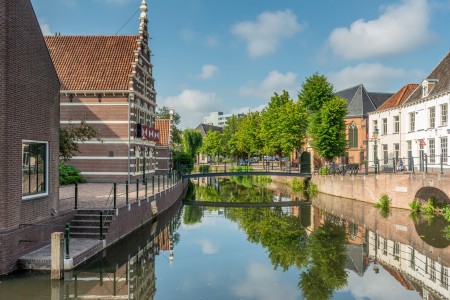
[426, 271]
[205, 181]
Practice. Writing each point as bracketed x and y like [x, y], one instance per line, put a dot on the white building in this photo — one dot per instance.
[413, 125]
[217, 118]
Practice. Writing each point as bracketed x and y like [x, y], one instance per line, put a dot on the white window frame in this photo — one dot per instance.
[432, 150]
[396, 124]
[412, 121]
[444, 114]
[444, 149]
[384, 126]
[47, 154]
[432, 117]
[385, 154]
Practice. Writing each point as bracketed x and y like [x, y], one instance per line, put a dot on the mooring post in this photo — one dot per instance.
[137, 189]
[57, 255]
[115, 195]
[101, 225]
[153, 185]
[68, 261]
[126, 192]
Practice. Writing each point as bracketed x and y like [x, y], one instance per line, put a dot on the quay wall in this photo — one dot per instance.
[401, 188]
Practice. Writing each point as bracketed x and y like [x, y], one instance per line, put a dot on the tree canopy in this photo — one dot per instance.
[70, 137]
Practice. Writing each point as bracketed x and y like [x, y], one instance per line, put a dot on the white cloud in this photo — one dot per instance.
[400, 27]
[264, 35]
[263, 283]
[274, 82]
[375, 77]
[187, 35]
[45, 28]
[246, 109]
[208, 247]
[208, 71]
[211, 41]
[192, 105]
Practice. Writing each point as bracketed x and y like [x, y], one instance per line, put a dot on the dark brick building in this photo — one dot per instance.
[29, 123]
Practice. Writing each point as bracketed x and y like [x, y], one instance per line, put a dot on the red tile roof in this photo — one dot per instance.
[163, 125]
[399, 97]
[93, 62]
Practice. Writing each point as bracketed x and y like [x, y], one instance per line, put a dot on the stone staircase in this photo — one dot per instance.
[86, 223]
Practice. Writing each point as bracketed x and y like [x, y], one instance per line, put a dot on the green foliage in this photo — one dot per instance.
[297, 185]
[383, 205]
[230, 135]
[430, 207]
[446, 232]
[183, 162]
[312, 190]
[192, 214]
[212, 143]
[247, 139]
[326, 272]
[327, 129]
[204, 168]
[241, 169]
[71, 136]
[192, 141]
[446, 212]
[316, 90]
[69, 174]
[323, 171]
[415, 206]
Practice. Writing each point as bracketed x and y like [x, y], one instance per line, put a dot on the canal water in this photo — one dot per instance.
[250, 242]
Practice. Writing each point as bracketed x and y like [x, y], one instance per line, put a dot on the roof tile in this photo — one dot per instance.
[164, 127]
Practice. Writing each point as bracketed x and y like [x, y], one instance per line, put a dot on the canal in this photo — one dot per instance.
[288, 248]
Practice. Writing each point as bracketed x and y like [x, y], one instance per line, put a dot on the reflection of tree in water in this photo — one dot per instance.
[281, 234]
[192, 214]
[326, 272]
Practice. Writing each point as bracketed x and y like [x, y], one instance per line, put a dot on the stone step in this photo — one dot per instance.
[83, 222]
[78, 217]
[86, 235]
[77, 229]
[95, 211]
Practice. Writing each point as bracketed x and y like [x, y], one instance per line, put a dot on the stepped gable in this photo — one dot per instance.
[441, 73]
[360, 102]
[93, 62]
[163, 125]
[400, 97]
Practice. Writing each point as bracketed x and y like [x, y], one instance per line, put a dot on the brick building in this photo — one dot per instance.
[108, 81]
[163, 155]
[29, 124]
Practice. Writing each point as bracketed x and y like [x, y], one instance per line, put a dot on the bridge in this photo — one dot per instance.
[251, 173]
[245, 204]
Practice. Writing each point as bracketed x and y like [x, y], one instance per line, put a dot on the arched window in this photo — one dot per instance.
[353, 136]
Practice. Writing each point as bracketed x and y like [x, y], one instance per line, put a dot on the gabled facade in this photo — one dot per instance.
[164, 148]
[424, 124]
[360, 104]
[108, 81]
[29, 132]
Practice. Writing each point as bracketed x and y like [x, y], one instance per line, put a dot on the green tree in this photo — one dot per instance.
[328, 131]
[247, 138]
[182, 162]
[315, 92]
[284, 125]
[212, 144]
[229, 135]
[192, 141]
[163, 112]
[71, 136]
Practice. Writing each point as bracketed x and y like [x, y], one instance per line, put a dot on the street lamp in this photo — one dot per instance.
[375, 138]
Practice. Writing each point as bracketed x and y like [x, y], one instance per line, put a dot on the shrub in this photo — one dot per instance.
[69, 174]
[297, 185]
[383, 205]
[323, 171]
[312, 190]
[204, 168]
[446, 232]
[415, 206]
[430, 207]
[446, 212]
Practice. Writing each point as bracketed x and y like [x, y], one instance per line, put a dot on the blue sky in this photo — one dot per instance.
[231, 56]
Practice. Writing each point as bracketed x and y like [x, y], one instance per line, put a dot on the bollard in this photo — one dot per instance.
[164, 176]
[442, 165]
[137, 189]
[153, 185]
[126, 192]
[145, 185]
[76, 195]
[426, 163]
[115, 195]
[158, 184]
[393, 164]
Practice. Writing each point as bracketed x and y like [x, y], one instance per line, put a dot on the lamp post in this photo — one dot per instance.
[375, 138]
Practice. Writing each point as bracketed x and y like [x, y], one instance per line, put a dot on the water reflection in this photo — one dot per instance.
[330, 248]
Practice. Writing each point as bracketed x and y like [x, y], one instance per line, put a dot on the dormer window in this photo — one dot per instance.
[427, 87]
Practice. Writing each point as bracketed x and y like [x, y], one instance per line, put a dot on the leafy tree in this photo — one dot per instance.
[183, 162]
[247, 138]
[192, 214]
[163, 112]
[328, 131]
[315, 92]
[284, 125]
[212, 144]
[229, 135]
[72, 135]
[192, 141]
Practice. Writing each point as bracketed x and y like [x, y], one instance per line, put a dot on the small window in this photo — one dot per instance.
[34, 169]
[412, 121]
[385, 154]
[444, 114]
[444, 149]
[353, 136]
[384, 126]
[432, 151]
[432, 117]
[396, 124]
